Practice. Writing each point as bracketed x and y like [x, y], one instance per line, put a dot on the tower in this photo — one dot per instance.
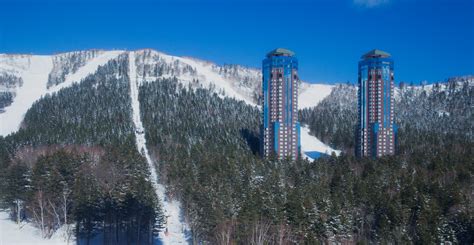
[376, 132]
[280, 134]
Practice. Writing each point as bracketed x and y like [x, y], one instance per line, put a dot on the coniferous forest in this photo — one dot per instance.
[74, 161]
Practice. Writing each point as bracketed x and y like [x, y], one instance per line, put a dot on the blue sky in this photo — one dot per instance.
[429, 40]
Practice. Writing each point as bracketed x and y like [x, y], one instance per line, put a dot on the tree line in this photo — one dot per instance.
[206, 150]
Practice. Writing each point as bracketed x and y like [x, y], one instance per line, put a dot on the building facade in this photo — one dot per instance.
[280, 129]
[376, 132]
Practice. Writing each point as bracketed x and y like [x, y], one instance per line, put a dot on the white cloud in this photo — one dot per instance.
[370, 3]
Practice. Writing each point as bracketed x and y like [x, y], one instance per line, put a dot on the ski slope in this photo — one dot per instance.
[311, 94]
[89, 68]
[204, 73]
[174, 228]
[211, 77]
[310, 143]
[34, 70]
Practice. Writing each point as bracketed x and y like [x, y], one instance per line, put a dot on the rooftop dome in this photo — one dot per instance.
[376, 53]
[280, 52]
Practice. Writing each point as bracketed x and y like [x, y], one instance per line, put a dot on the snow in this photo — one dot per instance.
[89, 68]
[311, 94]
[209, 77]
[34, 71]
[310, 143]
[26, 233]
[207, 73]
[175, 227]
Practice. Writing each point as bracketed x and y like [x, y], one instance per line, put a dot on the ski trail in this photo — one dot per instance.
[89, 68]
[35, 76]
[176, 229]
[310, 143]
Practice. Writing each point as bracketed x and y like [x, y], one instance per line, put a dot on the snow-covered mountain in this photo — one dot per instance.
[26, 78]
[443, 107]
[29, 77]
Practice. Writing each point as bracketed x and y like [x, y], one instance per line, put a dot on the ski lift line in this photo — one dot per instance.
[171, 208]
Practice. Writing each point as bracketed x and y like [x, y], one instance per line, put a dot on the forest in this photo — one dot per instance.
[74, 161]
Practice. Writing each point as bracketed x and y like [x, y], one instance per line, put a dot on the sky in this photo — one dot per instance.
[430, 40]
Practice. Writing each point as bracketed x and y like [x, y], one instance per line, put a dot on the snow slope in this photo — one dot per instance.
[26, 234]
[34, 70]
[205, 73]
[311, 94]
[231, 84]
[310, 143]
[86, 70]
[211, 77]
[175, 227]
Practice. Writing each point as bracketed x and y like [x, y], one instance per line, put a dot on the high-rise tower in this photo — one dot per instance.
[280, 129]
[376, 131]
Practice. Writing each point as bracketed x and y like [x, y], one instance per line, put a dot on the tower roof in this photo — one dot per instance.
[375, 53]
[280, 52]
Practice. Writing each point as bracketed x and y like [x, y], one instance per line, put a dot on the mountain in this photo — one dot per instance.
[44, 96]
[444, 107]
[144, 147]
[26, 78]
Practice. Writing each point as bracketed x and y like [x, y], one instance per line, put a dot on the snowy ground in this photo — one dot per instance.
[34, 70]
[89, 68]
[311, 94]
[175, 227]
[207, 76]
[26, 234]
[310, 143]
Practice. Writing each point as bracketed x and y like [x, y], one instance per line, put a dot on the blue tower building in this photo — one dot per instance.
[376, 133]
[280, 134]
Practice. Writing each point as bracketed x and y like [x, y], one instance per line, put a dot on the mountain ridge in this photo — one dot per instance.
[63, 69]
[171, 115]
